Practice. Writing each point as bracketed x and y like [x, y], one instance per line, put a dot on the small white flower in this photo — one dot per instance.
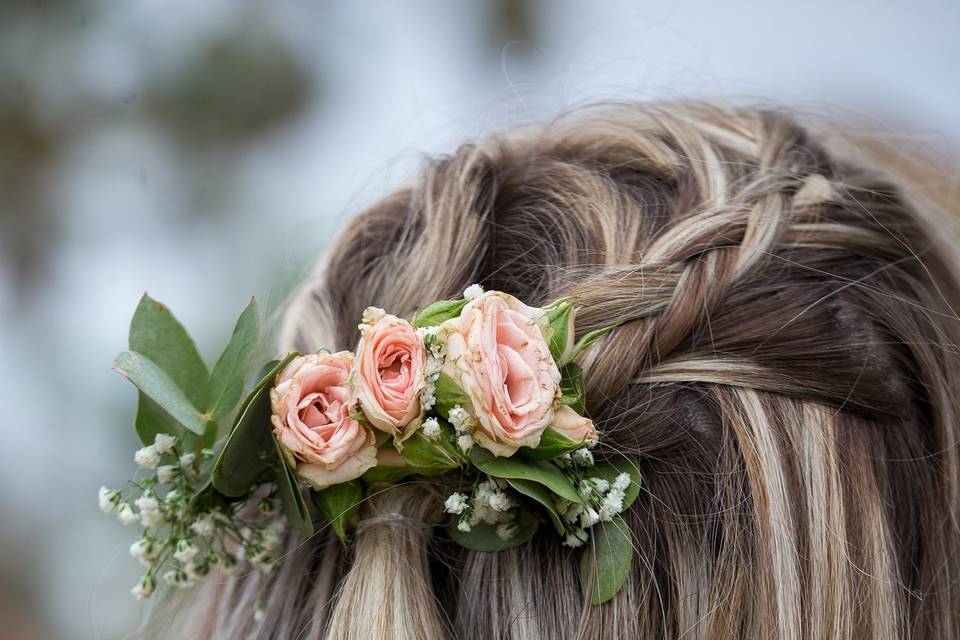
[172, 496]
[147, 503]
[576, 538]
[501, 502]
[465, 442]
[464, 525]
[456, 503]
[151, 518]
[428, 332]
[621, 482]
[185, 552]
[126, 514]
[472, 292]
[203, 526]
[164, 442]
[573, 512]
[187, 459]
[147, 457]
[166, 473]
[372, 314]
[589, 517]
[108, 499]
[431, 428]
[177, 578]
[144, 588]
[583, 457]
[600, 485]
[144, 550]
[507, 530]
[459, 418]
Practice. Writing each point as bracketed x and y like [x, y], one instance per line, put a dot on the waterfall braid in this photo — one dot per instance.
[786, 371]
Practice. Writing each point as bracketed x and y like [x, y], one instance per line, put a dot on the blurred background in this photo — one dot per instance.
[207, 150]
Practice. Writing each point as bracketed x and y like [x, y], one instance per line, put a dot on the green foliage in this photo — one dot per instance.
[540, 494]
[250, 455]
[552, 445]
[438, 313]
[571, 387]
[605, 569]
[448, 395]
[157, 335]
[483, 537]
[430, 457]
[291, 498]
[338, 504]
[538, 471]
[229, 373]
[159, 387]
[561, 331]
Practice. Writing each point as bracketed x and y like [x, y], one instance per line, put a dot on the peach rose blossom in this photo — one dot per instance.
[497, 354]
[312, 405]
[389, 373]
[574, 426]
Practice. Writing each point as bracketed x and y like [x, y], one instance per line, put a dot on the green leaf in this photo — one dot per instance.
[156, 334]
[448, 395]
[250, 453]
[586, 341]
[542, 495]
[157, 385]
[539, 471]
[552, 445]
[291, 497]
[438, 313]
[483, 536]
[605, 569]
[338, 504]
[430, 457]
[561, 334]
[609, 472]
[229, 373]
[571, 387]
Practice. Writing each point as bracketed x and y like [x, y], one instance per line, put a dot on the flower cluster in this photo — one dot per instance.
[182, 540]
[488, 503]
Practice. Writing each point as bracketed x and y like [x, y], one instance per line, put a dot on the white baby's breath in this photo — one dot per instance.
[108, 499]
[473, 292]
[147, 457]
[465, 442]
[164, 443]
[166, 473]
[126, 515]
[456, 503]
[431, 428]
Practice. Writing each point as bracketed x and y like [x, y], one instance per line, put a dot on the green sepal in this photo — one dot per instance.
[571, 387]
[161, 389]
[539, 493]
[338, 503]
[448, 395]
[604, 570]
[609, 472]
[539, 471]
[586, 341]
[483, 536]
[438, 313]
[561, 333]
[228, 376]
[291, 498]
[250, 453]
[158, 335]
[553, 444]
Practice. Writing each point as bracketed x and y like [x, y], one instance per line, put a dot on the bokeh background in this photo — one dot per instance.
[207, 150]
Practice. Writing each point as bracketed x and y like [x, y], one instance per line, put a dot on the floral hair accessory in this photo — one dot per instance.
[484, 389]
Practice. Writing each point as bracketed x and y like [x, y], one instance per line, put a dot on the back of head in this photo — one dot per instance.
[785, 371]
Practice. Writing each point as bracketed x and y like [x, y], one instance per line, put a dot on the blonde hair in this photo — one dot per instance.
[786, 371]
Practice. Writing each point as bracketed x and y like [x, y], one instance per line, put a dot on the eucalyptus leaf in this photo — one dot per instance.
[571, 387]
[604, 570]
[448, 395]
[438, 313]
[229, 373]
[561, 335]
[158, 335]
[609, 472]
[483, 536]
[157, 385]
[388, 473]
[553, 444]
[430, 457]
[291, 498]
[540, 494]
[250, 453]
[338, 503]
[539, 471]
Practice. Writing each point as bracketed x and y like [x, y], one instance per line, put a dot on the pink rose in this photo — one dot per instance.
[312, 406]
[389, 373]
[497, 354]
[574, 426]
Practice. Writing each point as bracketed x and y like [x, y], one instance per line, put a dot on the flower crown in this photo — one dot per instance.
[484, 388]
